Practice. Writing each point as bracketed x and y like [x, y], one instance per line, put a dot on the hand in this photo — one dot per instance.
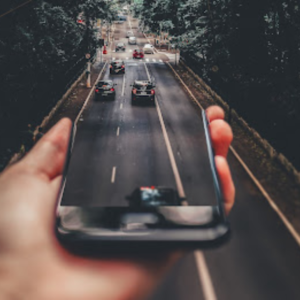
[221, 136]
[32, 263]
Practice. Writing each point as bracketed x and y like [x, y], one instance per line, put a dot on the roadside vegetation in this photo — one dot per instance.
[247, 51]
[42, 52]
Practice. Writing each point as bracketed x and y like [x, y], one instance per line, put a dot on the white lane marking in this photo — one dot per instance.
[113, 58]
[283, 218]
[147, 71]
[118, 131]
[160, 60]
[271, 202]
[123, 86]
[169, 148]
[130, 50]
[204, 276]
[127, 57]
[147, 59]
[154, 60]
[121, 106]
[89, 95]
[113, 174]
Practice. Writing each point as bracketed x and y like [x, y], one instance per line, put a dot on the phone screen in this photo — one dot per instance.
[137, 183]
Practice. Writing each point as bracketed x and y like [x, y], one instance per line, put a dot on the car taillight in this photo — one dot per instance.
[112, 89]
[96, 90]
[152, 92]
[134, 91]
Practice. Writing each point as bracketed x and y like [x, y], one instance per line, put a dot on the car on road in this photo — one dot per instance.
[120, 47]
[143, 92]
[129, 34]
[104, 89]
[122, 18]
[117, 66]
[146, 196]
[137, 53]
[148, 49]
[132, 40]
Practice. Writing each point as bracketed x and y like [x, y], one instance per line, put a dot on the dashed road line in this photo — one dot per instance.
[204, 276]
[123, 86]
[113, 174]
[121, 106]
[118, 131]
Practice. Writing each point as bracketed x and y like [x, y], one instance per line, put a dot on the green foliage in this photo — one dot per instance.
[42, 48]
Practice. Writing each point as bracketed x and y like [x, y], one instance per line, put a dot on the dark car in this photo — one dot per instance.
[138, 53]
[143, 92]
[105, 89]
[117, 66]
[154, 196]
[120, 47]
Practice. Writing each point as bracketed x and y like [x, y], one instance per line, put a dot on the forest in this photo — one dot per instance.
[42, 52]
[246, 50]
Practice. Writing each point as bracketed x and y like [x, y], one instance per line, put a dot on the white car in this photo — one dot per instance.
[129, 34]
[132, 40]
[148, 48]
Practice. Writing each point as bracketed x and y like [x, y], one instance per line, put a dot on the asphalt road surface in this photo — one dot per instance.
[120, 146]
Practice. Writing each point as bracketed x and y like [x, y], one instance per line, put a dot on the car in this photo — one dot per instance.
[118, 21]
[105, 89]
[148, 48]
[132, 40]
[117, 66]
[146, 196]
[129, 34]
[143, 92]
[120, 47]
[137, 53]
[122, 18]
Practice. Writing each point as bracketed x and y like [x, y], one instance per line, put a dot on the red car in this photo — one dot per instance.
[138, 53]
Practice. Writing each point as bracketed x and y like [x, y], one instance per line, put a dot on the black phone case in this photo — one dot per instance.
[83, 241]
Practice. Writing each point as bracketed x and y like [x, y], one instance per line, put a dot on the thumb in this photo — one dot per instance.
[47, 157]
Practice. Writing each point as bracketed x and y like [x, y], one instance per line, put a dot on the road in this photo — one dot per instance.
[120, 147]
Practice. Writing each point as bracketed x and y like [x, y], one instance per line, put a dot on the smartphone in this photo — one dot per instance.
[147, 217]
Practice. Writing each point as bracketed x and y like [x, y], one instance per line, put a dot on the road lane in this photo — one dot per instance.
[138, 154]
[186, 132]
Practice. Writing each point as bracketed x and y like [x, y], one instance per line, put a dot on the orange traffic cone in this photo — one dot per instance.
[104, 50]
